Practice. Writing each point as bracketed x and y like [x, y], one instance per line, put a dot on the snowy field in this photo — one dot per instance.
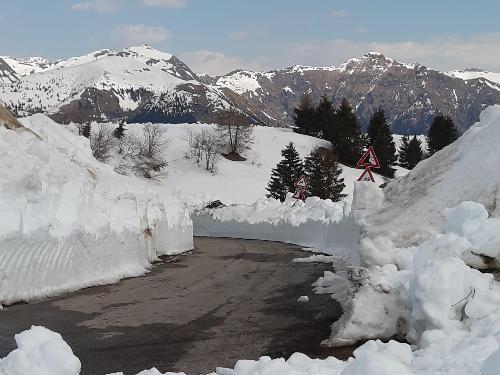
[235, 182]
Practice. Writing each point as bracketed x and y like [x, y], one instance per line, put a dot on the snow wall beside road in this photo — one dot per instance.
[69, 222]
[321, 225]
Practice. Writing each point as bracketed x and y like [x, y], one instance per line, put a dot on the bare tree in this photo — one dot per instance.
[236, 132]
[149, 161]
[102, 142]
[153, 141]
[204, 147]
[144, 154]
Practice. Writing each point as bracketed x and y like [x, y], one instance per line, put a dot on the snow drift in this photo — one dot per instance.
[68, 221]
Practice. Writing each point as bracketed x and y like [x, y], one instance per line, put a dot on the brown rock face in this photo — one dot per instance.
[7, 120]
[411, 95]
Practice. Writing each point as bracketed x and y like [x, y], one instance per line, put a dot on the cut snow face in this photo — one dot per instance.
[467, 170]
[69, 221]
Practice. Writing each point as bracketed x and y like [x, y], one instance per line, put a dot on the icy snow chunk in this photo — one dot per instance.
[377, 358]
[41, 352]
[465, 218]
[486, 239]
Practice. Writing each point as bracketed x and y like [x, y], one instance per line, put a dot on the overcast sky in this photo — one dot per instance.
[217, 36]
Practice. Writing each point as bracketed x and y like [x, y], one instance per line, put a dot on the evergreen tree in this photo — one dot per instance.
[348, 142]
[305, 117]
[410, 152]
[86, 130]
[381, 139]
[286, 173]
[120, 130]
[442, 132]
[323, 176]
[325, 119]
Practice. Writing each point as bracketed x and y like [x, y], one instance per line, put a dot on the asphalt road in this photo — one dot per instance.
[224, 301]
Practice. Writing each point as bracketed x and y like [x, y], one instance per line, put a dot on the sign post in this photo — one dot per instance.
[368, 161]
[300, 192]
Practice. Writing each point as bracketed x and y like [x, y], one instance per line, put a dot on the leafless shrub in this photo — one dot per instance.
[102, 142]
[154, 141]
[204, 148]
[144, 154]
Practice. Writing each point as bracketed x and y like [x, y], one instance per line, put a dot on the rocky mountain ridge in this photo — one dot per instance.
[142, 84]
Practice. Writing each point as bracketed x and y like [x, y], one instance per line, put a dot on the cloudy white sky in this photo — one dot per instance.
[217, 36]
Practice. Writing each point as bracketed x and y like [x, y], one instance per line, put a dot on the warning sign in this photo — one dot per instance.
[366, 176]
[369, 159]
[301, 185]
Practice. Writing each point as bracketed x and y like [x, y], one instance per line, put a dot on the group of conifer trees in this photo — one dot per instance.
[320, 169]
[340, 126]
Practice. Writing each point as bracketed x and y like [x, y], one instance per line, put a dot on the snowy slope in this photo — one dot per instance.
[27, 66]
[475, 74]
[236, 182]
[466, 170]
[70, 222]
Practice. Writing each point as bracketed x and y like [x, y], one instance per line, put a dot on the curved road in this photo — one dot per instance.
[226, 300]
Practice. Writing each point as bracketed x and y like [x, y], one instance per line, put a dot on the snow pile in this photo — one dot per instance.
[412, 209]
[419, 241]
[272, 211]
[435, 300]
[68, 221]
[321, 225]
[41, 352]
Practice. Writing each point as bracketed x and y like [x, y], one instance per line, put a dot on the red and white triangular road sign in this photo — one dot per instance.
[369, 159]
[366, 176]
[301, 183]
[300, 194]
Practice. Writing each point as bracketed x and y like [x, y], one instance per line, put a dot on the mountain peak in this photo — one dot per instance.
[146, 51]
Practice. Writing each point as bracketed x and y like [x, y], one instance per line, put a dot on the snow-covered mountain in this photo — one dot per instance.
[473, 73]
[138, 83]
[142, 84]
[411, 94]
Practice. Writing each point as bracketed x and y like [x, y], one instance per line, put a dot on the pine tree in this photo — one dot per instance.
[286, 173]
[120, 130]
[442, 132]
[305, 117]
[348, 142]
[325, 118]
[323, 176]
[381, 139]
[86, 130]
[410, 152]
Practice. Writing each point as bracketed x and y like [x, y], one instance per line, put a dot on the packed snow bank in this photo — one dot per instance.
[419, 241]
[68, 221]
[413, 207]
[321, 225]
